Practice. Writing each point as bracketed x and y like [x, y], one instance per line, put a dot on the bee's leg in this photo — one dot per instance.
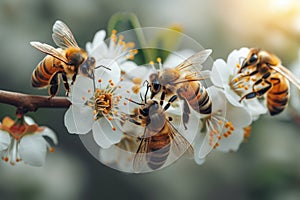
[186, 113]
[171, 100]
[65, 81]
[54, 82]
[259, 92]
[162, 98]
[74, 77]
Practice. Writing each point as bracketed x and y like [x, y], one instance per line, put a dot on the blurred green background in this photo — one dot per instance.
[267, 166]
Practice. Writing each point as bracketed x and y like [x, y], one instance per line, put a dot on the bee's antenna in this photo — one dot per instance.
[141, 104]
[146, 81]
[103, 67]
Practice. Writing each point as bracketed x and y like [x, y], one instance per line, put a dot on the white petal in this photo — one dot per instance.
[32, 149]
[114, 74]
[218, 99]
[79, 119]
[98, 40]
[237, 57]
[127, 66]
[117, 158]
[220, 74]
[81, 90]
[104, 135]
[51, 134]
[177, 57]
[200, 152]
[4, 140]
[232, 97]
[255, 108]
[233, 142]
[29, 120]
[239, 116]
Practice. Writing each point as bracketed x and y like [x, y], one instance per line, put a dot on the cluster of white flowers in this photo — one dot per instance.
[117, 108]
[99, 105]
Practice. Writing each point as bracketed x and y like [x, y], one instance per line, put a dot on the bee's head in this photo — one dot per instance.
[252, 58]
[76, 56]
[155, 85]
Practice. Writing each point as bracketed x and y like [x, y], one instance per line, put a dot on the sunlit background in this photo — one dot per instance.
[267, 166]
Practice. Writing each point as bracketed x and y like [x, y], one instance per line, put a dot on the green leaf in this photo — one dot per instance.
[165, 42]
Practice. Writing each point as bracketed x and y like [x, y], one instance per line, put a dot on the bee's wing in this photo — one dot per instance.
[139, 161]
[288, 74]
[46, 48]
[179, 145]
[195, 61]
[62, 35]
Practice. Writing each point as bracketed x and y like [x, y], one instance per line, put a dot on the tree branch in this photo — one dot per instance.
[30, 103]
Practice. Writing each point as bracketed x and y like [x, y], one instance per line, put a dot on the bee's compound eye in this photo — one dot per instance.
[145, 111]
[253, 59]
[156, 86]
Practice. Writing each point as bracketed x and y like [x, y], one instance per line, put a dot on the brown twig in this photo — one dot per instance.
[30, 103]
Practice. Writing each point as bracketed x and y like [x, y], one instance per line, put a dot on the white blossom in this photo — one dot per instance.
[224, 76]
[24, 141]
[223, 129]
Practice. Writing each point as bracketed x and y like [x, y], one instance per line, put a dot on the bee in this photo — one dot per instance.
[271, 79]
[160, 138]
[184, 81]
[65, 61]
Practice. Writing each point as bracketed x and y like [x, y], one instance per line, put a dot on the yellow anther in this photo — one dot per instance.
[158, 60]
[137, 80]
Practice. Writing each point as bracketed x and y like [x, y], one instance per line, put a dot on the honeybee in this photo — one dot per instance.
[271, 78]
[160, 138]
[66, 61]
[184, 81]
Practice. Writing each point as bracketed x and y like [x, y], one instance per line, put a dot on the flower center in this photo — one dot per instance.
[119, 47]
[218, 128]
[240, 83]
[105, 102]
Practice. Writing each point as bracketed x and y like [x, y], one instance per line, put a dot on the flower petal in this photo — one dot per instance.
[79, 119]
[233, 142]
[51, 134]
[104, 135]
[177, 57]
[236, 57]
[239, 116]
[127, 66]
[4, 140]
[106, 75]
[96, 48]
[32, 149]
[81, 90]
[220, 73]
